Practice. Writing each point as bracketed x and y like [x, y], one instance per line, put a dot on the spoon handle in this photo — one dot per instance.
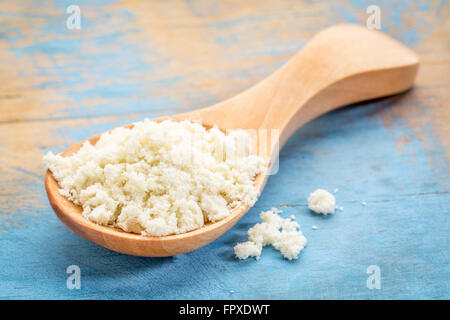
[341, 65]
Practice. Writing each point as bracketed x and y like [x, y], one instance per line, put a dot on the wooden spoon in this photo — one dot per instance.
[341, 65]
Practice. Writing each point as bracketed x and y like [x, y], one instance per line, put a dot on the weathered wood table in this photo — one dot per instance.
[135, 59]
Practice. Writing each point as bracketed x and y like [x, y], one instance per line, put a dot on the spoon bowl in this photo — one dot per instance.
[341, 65]
[130, 243]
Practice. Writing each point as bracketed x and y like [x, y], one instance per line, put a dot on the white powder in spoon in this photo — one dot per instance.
[159, 178]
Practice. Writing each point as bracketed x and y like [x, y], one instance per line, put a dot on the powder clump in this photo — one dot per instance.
[321, 201]
[161, 178]
[281, 233]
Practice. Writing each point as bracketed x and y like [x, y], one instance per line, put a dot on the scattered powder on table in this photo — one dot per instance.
[281, 233]
[159, 178]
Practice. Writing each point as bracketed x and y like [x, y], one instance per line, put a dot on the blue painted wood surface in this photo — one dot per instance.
[132, 60]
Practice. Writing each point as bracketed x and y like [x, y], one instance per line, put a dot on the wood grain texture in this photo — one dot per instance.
[134, 59]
